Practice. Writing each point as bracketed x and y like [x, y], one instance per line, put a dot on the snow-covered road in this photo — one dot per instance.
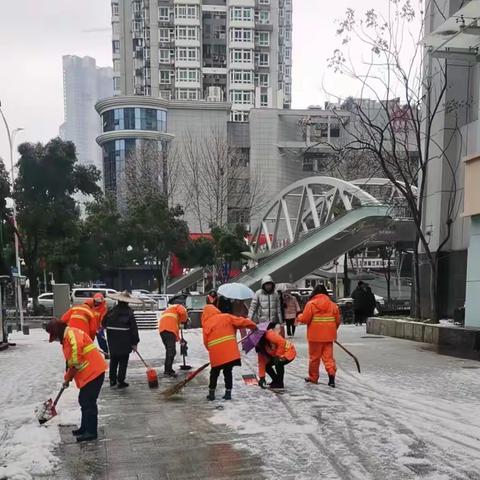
[410, 414]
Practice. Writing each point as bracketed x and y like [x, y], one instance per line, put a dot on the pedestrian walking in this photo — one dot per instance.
[274, 352]
[371, 301]
[100, 309]
[360, 303]
[291, 309]
[220, 339]
[85, 365]
[169, 326]
[122, 336]
[266, 306]
[322, 318]
[212, 297]
[81, 317]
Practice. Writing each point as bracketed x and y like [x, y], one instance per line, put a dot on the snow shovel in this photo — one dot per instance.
[47, 410]
[152, 377]
[351, 354]
[184, 352]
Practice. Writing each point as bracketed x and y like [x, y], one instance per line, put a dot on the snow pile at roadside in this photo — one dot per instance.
[30, 373]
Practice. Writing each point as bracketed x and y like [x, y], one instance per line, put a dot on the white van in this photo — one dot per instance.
[79, 295]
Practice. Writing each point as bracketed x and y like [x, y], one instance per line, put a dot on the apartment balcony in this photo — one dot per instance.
[241, 24]
[215, 62]
[264, 27]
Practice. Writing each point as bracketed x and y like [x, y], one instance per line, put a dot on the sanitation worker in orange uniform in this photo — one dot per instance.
[83, 318]
[220, 339]
[169, 326]
[100, 309]
[274, 352]
[85, 365]
[322, 318]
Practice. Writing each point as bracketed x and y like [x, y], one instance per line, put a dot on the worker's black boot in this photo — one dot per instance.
[331, 381]
[228, 395]
[86, 437]
[122, 385]
[211, 395]
[78, 431]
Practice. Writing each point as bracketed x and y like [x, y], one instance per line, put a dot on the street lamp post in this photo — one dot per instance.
[11, 140]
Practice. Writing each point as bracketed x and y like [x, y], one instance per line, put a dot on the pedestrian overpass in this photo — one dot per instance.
[314, 221]
[317, 219]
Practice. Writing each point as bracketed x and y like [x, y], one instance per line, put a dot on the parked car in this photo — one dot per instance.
[44, 300]
[79, 295]
[380, 301]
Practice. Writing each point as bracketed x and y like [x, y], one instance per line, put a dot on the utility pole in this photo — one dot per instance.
[18, 283]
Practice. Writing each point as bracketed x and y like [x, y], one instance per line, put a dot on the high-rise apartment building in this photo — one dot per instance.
[236, 51]
[84, 84]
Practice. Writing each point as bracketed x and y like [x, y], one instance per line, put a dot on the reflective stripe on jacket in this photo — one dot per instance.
[275, 346]
[322, 318]
[83, 318]
[82, 356]
[219, 335]
[171, 319]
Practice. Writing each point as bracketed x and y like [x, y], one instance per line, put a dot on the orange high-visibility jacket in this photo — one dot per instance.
[276, 346]
[84, 361]
[220, 334]
[322, 318]
[171, 319]
[99, 311]
[83, 318]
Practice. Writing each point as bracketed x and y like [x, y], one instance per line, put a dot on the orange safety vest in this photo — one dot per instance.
[220, 334]
[82, 355]
[99, 313]
[83, 318]
[171, 319]
[276, 346]
[322, 318]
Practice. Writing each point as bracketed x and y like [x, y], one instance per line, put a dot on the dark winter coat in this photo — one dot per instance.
[372, 303]
[121, 328]
[361, 301]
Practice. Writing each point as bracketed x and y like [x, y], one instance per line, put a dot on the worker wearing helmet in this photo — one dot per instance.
[87, 367]
[169, 326]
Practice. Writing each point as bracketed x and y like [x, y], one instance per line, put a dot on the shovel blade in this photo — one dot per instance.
[46, 411]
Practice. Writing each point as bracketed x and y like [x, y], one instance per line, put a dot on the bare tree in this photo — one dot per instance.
[396, 130]
[217, 180]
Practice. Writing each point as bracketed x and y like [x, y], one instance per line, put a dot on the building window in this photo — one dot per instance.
[262, 59]
[187, 75]
[115, 28]
[239, 116]
[116, 65]
[186, 11]
[241, 76]
[288, 35]
[288, 53]
[240, 56]
[264, 2]
[163, 55]
[115, 46]
[287, 89]
[241, 14]
[186, 94]
[114, 8]
[241, 97]
[288, 70]
[262, 17]
[238, 215]
[166, 94]
[116, 83]
[186, 33]
[240, 35]
[164, 77]
[263, 79]
[262, 39]
[187, 54]
[134, 119]
[264, 100]
[164, 35]
[163, 14]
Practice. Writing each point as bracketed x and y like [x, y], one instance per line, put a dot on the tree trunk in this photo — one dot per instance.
[346, 280]
[417, 311]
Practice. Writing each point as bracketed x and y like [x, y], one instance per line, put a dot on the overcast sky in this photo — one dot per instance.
[34, 34]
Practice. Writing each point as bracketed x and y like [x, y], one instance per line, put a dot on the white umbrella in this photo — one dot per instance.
[236, 291]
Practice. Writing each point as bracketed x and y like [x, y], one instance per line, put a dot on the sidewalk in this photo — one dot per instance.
[143, 436]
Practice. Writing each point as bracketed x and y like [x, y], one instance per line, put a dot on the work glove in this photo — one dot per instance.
[66, 384]
[69, 374]
[262, 383]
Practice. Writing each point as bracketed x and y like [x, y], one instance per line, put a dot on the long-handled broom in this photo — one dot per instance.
[355, 359]
[177, 388]
[152, 376]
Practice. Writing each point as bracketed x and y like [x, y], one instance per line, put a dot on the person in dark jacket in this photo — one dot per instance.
[122, 336]
[360, 303]
[371, 301]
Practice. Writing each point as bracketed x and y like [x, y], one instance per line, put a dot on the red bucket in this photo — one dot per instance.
[152, 378]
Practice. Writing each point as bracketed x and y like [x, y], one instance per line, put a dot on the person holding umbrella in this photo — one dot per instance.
[274, 352]
[122, 336]
[220, 336]
[322, 318]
